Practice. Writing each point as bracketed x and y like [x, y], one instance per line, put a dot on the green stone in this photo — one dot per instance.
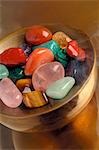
[16, 73]
[52, 45]
[60, 88]
[3, 71]
[62, 61]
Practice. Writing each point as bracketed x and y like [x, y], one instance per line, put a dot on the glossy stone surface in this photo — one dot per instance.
[16, 73]
[61, 38]
[22, 83]
[9, 93]
[13, 57]
[78, 70]
[60, 88]
[62, 57]
[72, 48]
[26, 90]
[38, 34]
[34, 99]
[47, 74]
[52, 45]
[38, 57]
[3, 71]
[27, 49]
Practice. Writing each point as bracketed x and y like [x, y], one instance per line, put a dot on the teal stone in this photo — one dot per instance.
[62, 61]
[52, 45]
[61, 55]
[60, 88]
[16, 73]
[3, 71]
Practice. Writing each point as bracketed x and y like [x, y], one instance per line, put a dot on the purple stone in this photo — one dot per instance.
[78, 70]
[27, 49]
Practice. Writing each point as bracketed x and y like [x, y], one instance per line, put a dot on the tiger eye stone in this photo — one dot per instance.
[22, 83]
[34, 99]
[38, 34]
[61, 38]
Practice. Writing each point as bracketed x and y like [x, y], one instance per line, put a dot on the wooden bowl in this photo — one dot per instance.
[57, 113]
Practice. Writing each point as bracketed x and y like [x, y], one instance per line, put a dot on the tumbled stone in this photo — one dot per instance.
[3, 71]
[34, 99]
[38, 34]
[61, 38]
[9, 93]
[72, 48]
[13, 57]
[62, 57]
[46, 74]
[16, 73]
[60, 88]
[22, 83]
[38, 57]
[78, 70]
[26, 90]
[27, 49]
[52, 45]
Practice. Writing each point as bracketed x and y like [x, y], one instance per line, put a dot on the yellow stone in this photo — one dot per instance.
[34, 99]
[22, 83]
[62, 39]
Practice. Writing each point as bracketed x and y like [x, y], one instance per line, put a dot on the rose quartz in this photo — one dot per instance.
[47, 74]
[9, 93]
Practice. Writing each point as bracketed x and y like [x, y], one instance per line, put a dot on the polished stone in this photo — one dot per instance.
[38, 57]
[34, 99]
[47, 74]
[22, 83]
[16, 73]
[3, 71]
[38, 34]
[13, 57]
[9, 93]
[60, 88]
[52, 45]
[61, 38]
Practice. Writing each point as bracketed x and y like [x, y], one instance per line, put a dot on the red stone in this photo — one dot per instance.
[12, 57]
[38, 56]
[81, 56]
[38, 34]
[72, 49]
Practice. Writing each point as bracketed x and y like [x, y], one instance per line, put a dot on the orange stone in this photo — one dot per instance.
[34, 99]
[22, 83]
[38, 34]
[62, 39]
[38, 57]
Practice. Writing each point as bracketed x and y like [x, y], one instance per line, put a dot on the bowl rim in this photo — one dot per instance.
[22, 29]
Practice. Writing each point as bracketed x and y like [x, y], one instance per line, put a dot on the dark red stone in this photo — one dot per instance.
[12, 57]
[81, 56]
[72, 49]
[38, 34]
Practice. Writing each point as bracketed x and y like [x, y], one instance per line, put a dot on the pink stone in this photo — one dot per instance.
[9, 93]
[47, 74]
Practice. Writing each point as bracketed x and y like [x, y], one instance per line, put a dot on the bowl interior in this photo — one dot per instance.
[17, 38]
